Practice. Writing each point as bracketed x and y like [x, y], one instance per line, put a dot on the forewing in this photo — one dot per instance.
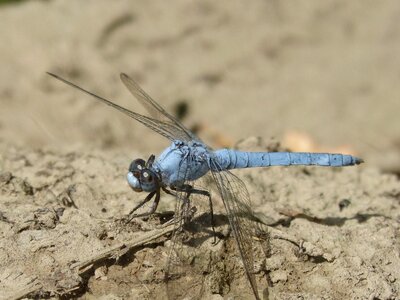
[166, 129]
[237, 204]
[156, 111]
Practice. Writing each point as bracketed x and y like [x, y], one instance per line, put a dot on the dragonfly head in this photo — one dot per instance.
[140, 178]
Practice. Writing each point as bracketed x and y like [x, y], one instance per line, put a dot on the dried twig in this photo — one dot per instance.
[122, 248]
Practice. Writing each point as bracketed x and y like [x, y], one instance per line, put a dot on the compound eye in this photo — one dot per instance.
[146, 177]
[137, 165]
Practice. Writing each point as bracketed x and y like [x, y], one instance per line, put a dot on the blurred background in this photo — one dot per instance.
[315, 75]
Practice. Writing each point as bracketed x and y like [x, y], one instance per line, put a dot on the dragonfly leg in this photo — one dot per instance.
[150, 161]
[131, 215]
[185, 204]
[207, 194]
[169, 192]
[189, 190]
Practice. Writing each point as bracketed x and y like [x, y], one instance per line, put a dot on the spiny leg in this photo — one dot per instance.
[185, 203]
[174, 219]
[150, 161]
[188, 189]
[131, 215]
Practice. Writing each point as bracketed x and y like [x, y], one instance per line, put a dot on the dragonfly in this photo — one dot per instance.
[188, 158]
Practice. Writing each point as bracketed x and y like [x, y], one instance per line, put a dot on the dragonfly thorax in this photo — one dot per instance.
[181, 162]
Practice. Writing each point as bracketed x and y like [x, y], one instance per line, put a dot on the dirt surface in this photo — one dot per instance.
[310, 76]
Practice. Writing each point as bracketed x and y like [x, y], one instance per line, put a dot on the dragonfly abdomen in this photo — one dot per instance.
[232, 159]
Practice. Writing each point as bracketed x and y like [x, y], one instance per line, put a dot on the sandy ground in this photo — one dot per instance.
[310, 76]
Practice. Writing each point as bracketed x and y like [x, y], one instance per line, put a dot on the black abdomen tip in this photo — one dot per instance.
[358, 161]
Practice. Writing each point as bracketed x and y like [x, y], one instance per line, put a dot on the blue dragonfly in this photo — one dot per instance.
[188, 159]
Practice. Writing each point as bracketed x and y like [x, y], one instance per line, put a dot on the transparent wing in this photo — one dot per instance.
[156, 111]
[168, 129]
[186, 271]
[236, 200]
[186, 267]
